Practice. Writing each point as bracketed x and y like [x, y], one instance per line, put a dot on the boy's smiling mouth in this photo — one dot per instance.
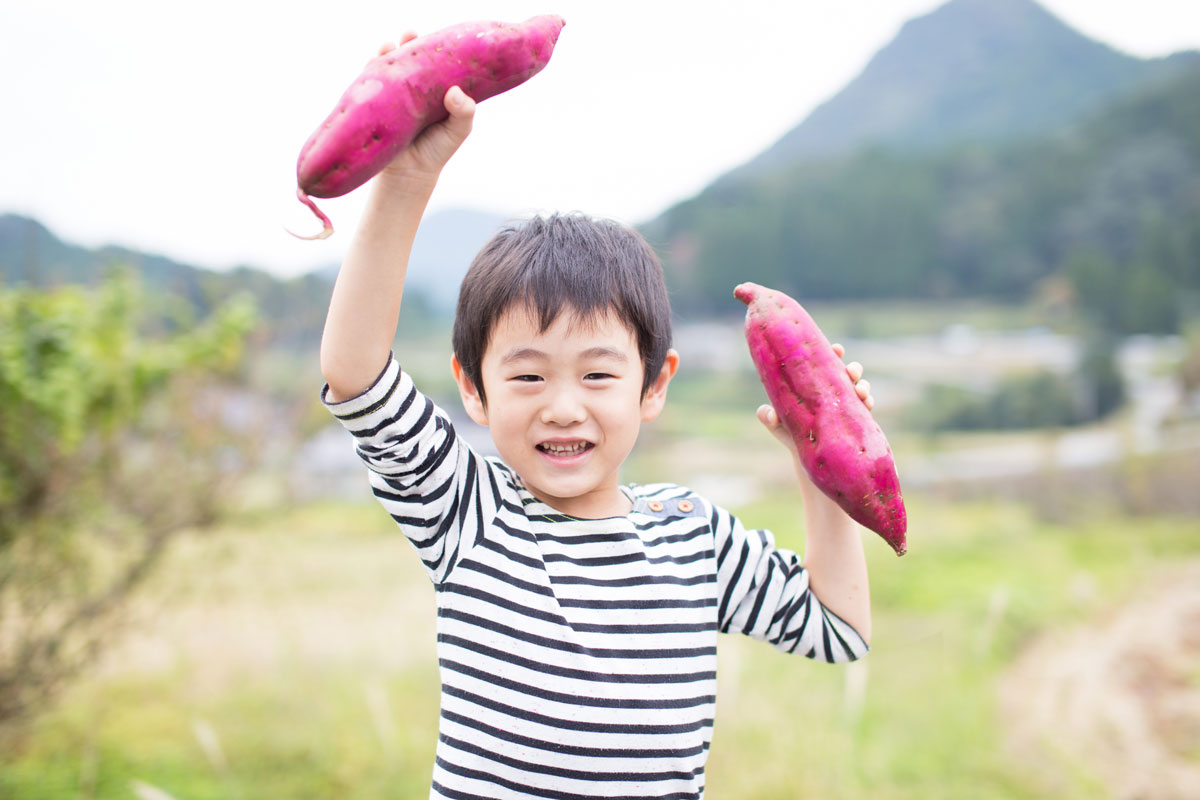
[561, 448]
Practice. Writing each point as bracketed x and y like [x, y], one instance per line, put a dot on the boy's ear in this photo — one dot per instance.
[656, 395]
[471, 400]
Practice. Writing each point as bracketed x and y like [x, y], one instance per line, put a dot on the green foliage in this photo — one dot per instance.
[74, 360]
[1139, 298]
[1189, 367]
[1100, 376]
[107, 438]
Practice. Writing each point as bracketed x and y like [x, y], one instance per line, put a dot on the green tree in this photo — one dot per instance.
[111, 441]
[1189, 367]
[1104, 386]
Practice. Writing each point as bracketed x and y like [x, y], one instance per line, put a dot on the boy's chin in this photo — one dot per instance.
[581, 497]
[557, 493]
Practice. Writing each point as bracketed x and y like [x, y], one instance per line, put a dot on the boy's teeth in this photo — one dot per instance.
[564, 449]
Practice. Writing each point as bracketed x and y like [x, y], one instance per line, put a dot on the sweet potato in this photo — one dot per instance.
[400, 93]
[841, 446]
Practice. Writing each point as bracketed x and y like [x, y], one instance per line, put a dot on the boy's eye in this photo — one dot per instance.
[527, 378]
[596, 376]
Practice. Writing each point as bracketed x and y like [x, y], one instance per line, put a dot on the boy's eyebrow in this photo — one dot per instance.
[533, 354]
[523, 354]
[605, 352]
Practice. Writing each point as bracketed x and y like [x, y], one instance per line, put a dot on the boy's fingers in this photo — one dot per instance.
[405, 38]
[770, 420]
[458, 103]
[838, 350]
[855, 371]
[767, 416]
[462, 112]
[863, 388]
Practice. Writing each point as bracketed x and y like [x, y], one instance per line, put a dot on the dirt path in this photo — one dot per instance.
[1118, 700]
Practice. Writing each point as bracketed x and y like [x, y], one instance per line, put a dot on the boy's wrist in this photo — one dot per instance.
[812, 497]
[407, 183]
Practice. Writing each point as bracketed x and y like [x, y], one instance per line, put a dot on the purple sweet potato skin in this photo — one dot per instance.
[841, 446]
[401, 93]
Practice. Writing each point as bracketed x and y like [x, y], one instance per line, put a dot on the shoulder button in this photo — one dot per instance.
[655, 505]
[685, 506]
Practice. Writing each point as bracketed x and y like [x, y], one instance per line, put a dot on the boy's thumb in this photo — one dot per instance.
[769, 417]
[458, 103]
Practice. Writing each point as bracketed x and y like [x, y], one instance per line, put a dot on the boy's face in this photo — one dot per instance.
[565, 406]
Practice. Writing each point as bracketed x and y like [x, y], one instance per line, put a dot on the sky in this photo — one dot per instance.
[175, 128]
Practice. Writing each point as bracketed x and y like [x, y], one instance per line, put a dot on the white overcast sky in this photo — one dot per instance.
[174, 128]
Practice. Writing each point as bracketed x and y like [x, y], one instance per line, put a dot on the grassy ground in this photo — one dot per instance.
[292, 657]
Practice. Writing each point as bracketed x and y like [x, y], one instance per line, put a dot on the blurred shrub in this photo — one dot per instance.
[112, 438]
[1146, 485]
[1103, 388]
[1189, 367]
[1029, 400]
[1041, 399]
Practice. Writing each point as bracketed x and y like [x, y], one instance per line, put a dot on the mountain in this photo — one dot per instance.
[292, 309]
[1109, 206]
[971, 70]
[30, 253]
[987, 148]
[446, 243]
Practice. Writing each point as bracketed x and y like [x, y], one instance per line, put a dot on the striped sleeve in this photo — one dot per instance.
[764, 593]
[439, 491]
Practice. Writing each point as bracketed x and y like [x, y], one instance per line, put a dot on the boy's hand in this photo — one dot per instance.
[424, 159]
[770, 419]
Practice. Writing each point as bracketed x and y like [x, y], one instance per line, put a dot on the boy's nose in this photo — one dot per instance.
[563, 408]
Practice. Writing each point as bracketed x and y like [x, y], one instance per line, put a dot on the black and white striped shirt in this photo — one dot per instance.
[578, 656]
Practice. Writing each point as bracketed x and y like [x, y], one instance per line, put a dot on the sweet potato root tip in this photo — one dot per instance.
[328, 229]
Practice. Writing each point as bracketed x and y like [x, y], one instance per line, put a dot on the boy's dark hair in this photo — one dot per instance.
[564, 261]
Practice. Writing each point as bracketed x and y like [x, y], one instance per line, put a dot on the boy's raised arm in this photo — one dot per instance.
[833, 552]
[365, 306]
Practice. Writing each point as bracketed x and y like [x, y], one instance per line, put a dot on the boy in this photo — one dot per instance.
[577, 618]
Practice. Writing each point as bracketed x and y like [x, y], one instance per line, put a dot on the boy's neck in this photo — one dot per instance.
[604, 502]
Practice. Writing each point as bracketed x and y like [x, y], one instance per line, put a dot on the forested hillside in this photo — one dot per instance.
[292, 309]
[1109, 205]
